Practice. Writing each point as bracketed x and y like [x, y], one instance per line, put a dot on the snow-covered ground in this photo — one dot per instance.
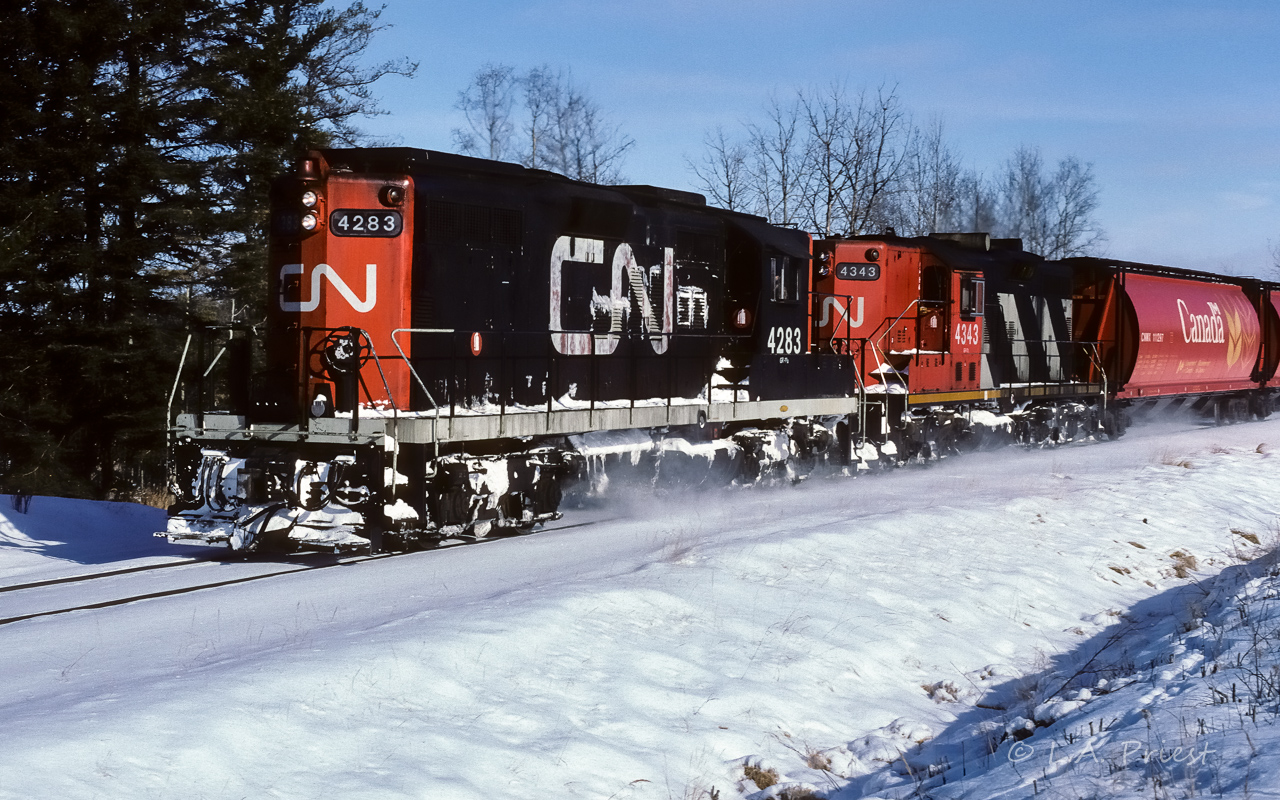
[1011, 624]
[60, 537]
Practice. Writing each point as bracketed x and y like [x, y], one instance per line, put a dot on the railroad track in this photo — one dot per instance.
[96, 575]
[304, 563]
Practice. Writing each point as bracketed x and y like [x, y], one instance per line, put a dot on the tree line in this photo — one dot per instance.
[542, 119]
[836, 162]
[137, 144]
[829, 160]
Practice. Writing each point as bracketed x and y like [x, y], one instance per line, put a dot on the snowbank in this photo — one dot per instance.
[57, 536]
[1178, 697]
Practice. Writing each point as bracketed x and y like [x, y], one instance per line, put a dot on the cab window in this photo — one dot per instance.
[784, 272]
[972, 296]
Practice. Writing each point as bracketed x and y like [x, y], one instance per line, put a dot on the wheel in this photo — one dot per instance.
[1113, 424]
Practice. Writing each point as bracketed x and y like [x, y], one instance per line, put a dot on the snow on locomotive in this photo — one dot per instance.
[452, 342]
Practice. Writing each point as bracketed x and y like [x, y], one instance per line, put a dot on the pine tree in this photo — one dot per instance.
[137, 144]
[83, 165]
[280, 77]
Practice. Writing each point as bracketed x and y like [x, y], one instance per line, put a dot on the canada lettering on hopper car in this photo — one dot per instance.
[1202, 328]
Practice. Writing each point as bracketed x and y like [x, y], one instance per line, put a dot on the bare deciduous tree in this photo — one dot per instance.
[578, 142]
[841, 164]
[826, 160]
[931, 196]
[775, 163]
[831, 127]
[1052, 214]
[1073, 230]
[541, 86]
[879, 159]
[977, 205]
[1025, 200]
[722, 171]
[566, 130]
[487, 104]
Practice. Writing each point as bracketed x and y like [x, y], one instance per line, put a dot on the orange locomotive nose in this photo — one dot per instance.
[346, 266]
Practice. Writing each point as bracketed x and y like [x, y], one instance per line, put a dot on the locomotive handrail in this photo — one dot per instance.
[304, 338]
[1058, 357]
[843, 311]
[435, 418]
[214, 362]
[856, 359]
[882, 361]
[182, 362]
[377, 362]
[202, 368]
[875, 332]
[843, 314]
[897, 320]
[452, 373]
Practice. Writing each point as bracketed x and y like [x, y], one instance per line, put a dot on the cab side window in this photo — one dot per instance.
[972, 296]
[784, 273]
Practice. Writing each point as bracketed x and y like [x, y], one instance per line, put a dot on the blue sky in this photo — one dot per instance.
[1176, 104]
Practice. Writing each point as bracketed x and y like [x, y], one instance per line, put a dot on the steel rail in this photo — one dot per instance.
[233, 581]
[95, 575]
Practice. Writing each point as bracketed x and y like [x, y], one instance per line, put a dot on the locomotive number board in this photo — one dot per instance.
[365, 222]
[858, 272]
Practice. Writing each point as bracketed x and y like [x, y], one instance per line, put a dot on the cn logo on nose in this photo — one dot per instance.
[325, 271]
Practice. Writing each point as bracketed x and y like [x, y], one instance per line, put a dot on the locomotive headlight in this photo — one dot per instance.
[391, 196]
[309, 199]
[309, 222]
